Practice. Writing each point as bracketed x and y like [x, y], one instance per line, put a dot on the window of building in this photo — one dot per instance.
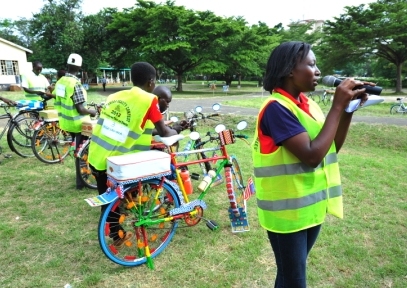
[9, 67]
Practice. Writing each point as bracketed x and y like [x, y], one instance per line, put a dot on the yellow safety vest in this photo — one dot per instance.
[36, 83]
[292, 196]
[118, 130]
[69, 118]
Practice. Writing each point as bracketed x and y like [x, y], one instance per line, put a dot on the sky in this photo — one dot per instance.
[270, 12]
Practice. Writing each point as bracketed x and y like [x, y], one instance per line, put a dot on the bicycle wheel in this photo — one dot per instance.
[204, 166]
[19, 136]
[396, 108]
[314, 97]
[88, 179]
[50, 144]
[238, 179]
[27, 114]
[325, 98]
[119, 238]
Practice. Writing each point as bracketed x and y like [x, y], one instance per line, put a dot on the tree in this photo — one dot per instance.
[363, 33]
[306, 31]
[96, 39]
[246, 52]
[174, 36]
[16, 31]
[57, 32]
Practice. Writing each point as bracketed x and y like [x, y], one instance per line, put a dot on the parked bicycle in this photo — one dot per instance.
[327, 96]
[314, 96]
[19, 126]
[50, 143]
[192, 118]
[21, 130]
[399, 107]
[16, 128]
[143, 213]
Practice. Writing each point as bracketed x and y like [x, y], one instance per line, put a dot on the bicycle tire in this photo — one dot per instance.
[19, 136]
[27, 114]
[325, 98]
[202, 166]
[50, 144]
[118, 214]
[238, 179]
[315, 97]
[87, 178]
[395, 109]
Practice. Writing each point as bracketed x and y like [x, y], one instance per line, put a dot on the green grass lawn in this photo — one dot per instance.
[49, 233]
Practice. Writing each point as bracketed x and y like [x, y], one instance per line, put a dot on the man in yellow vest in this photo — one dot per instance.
[70, 101]
[34, 83]
[121, 129]
[295, 157]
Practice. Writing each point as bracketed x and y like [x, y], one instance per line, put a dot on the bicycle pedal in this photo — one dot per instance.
[212, 225]
[239, 223]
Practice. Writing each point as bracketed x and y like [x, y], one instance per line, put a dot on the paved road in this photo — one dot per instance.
[182, 105]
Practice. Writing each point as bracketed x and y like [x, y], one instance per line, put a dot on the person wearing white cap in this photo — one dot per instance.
[70, 101]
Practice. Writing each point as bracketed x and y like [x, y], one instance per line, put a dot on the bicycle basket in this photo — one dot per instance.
[226, 137]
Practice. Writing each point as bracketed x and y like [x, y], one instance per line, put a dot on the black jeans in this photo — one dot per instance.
[113, 217]
[291, 251]
[78, 138]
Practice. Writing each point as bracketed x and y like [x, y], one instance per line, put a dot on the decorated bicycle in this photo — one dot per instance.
[147, 200]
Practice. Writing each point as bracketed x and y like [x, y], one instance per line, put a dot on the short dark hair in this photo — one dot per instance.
[36, 63]
[142, 72]
[282, 61]
[60, 73]
[162, 91]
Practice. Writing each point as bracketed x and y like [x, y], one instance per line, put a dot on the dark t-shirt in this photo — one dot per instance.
[279, 123]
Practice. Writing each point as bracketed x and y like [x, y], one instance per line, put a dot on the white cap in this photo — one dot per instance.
[74, 59]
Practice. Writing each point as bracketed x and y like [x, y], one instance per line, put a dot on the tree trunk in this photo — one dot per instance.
[179, 82]
[398, 79]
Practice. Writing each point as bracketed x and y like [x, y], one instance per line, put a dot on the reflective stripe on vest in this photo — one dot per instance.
[127, 108]
[292, 196]
[69, 118]
[148, 132]
[296, 203]
[292, 169]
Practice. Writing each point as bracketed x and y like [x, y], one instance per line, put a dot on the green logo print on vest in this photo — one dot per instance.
[121, 112]
[122, 115]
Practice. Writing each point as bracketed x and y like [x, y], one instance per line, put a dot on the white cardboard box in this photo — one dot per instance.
[138, 165]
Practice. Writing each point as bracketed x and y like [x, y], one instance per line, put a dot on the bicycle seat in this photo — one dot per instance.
[398, 99]
[169, 140]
